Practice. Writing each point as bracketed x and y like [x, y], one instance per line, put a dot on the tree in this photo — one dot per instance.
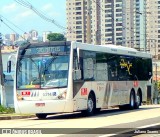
[56, 37]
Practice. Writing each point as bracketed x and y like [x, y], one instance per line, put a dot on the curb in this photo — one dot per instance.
[15, 117]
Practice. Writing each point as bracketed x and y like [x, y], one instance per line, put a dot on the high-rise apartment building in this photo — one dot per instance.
[111, 21]
[158, 26]
[131, 23]
[140, 24]
[26, 36]
[83, 16]
[12, 38]
[108, 21]
[153, 27]
[33, 34]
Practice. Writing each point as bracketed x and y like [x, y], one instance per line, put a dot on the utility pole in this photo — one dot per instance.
[2, 90]
[88, 22]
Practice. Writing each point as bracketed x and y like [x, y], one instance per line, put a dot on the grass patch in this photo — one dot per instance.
[6, 110]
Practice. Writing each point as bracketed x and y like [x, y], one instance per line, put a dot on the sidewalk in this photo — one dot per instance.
[15, 116]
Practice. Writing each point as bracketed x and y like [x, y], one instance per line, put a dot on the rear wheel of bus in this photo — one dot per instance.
[138, 100]
[41, 116]
[132, 100]
[91, 105]
[131, 104]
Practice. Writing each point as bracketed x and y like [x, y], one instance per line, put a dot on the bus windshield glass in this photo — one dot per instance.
[36, 71]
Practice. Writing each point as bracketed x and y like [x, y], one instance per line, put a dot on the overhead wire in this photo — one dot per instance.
[12, 23]
[11, 28]
[41, 15]
[110, 15]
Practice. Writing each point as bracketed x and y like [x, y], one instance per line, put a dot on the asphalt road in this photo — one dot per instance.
[113, 122]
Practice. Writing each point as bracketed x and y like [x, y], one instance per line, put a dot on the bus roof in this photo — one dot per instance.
[113, 49]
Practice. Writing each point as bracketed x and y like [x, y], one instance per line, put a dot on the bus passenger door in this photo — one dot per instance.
[80, 87]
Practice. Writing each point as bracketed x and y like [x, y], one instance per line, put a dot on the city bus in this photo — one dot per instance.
[58, 77]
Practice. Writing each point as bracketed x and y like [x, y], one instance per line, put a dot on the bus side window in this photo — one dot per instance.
[77, 71]
[112, 71]
[88, 67]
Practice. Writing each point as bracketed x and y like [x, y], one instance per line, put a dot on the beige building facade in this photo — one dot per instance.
[153, 27]
[130, 23]
[94, 17]
[107, 21]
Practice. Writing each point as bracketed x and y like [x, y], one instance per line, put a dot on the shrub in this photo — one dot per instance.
[6, 109]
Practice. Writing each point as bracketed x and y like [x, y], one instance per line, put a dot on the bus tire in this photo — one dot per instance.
[132, 100]
[138, 101]
[41, 116]
[91, 106]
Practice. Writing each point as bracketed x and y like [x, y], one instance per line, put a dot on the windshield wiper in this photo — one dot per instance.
[54, 87]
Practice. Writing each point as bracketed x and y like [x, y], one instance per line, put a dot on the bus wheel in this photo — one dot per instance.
[90, 106]
[41, 116]
[132, 100]
[138, 102]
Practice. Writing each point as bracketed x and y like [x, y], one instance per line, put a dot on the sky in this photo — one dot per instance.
[26, 20]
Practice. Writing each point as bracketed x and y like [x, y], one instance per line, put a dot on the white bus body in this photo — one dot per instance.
[81, 77]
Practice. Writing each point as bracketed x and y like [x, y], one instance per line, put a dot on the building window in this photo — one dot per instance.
[118, 10]
[78, 3]
[79, 36]
[78, 8]
[78, 13]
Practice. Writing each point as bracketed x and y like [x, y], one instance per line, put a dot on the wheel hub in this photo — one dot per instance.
[90, 105]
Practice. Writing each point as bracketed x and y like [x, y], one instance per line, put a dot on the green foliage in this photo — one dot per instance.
[158, 85]
[56, 37]
[4, 110]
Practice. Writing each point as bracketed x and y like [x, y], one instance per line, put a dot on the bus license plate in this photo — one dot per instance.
[40, 104]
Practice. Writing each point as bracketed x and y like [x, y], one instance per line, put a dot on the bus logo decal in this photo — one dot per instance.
[83, 91]
[25, 93]
[127, 65]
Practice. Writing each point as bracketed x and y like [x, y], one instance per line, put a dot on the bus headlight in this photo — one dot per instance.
[63, 95]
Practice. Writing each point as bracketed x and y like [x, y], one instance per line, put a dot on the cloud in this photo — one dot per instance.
[49, 10]
[47, 7]
[23, 16]
[9, 8]
[53, 14]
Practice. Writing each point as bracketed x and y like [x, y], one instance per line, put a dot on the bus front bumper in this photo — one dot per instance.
[47, 106]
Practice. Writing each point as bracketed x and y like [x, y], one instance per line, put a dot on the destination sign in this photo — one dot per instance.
[42, 50]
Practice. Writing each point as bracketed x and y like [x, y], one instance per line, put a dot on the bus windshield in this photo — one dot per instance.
[42, 71]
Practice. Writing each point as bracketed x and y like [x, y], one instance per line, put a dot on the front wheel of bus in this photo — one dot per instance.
[41, 116]
[90, 106]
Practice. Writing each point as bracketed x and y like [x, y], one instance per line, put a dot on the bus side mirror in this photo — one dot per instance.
[9, 66]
